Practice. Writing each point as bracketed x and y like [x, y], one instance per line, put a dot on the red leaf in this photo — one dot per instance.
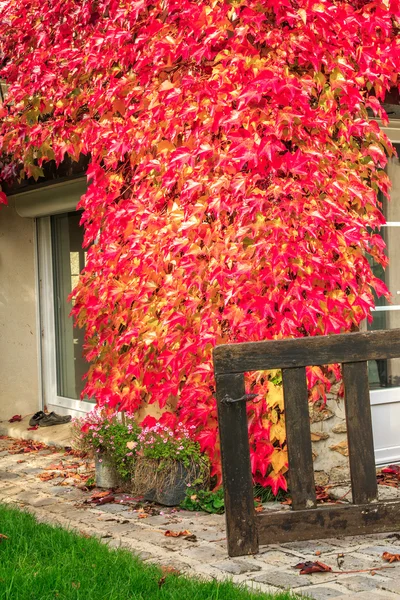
[309, 567]
[15, 419]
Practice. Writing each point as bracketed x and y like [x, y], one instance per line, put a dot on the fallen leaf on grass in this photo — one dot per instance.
[3, 537]
[391, 557]
[170, 571]
[15, 419]
[308, 567]
[167, 571]
[171, 533]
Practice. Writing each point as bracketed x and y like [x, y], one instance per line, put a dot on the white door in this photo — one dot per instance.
[60, 260]
[384, 375]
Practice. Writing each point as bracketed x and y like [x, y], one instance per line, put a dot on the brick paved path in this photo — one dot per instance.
[124, 525]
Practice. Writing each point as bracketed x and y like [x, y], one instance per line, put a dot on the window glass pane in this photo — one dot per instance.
[386, 373]
[68, 261]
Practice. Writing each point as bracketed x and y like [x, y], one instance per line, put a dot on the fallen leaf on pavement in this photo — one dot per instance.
[308, 567]
[48, 476]
[171, 533]
[15, 419]
[84, 534]
[33, 428]
[104, 500]
[391, 557]
[287, 502]
[392, 469]
[98, 495]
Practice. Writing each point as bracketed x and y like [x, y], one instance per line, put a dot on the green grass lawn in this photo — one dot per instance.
[41, 562]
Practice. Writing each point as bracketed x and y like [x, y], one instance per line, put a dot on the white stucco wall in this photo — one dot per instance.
[19, 385]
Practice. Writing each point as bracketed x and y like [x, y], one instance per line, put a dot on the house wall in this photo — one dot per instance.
[19, 379]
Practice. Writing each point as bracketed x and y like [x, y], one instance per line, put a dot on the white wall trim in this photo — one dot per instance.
[392, 130]
[37, 315]
[50, 199]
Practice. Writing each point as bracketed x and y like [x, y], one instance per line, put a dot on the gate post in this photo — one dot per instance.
[237, 480]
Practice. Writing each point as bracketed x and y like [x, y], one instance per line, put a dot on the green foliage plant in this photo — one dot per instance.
[203, 500]
[104, 432]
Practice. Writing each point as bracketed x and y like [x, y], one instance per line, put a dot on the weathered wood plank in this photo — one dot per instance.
[301, 470]
[329, 521]
[359, 432]
[236, 471]
[319, 350]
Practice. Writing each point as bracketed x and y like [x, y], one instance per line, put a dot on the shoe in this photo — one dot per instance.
[54, 419]
[36, 418]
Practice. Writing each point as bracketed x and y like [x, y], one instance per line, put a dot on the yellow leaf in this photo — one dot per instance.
[275, 396]
[166, 85]
[303, 15]
[279, 460]
[274, 417]
[278, 432]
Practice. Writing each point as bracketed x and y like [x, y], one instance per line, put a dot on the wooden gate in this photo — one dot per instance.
[245, 528]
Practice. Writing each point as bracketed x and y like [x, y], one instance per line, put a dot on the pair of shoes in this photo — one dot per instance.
[40, 418]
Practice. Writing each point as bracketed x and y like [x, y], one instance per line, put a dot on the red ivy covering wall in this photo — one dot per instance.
[233, 178]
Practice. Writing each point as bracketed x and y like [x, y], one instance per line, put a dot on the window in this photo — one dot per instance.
[68, 261]
[386, 373]
[60, 260]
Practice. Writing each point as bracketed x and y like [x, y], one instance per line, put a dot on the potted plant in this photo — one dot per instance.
[111, 437]
[167, 462]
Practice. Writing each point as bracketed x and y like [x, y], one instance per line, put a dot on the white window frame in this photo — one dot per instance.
[385, 402]
[51, 399]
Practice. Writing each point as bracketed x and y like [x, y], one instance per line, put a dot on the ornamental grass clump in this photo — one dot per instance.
[168, 457]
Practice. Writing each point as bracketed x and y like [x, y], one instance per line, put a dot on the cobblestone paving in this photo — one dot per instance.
[205, 555]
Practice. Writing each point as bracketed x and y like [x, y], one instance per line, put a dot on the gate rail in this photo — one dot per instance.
[245, 528]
